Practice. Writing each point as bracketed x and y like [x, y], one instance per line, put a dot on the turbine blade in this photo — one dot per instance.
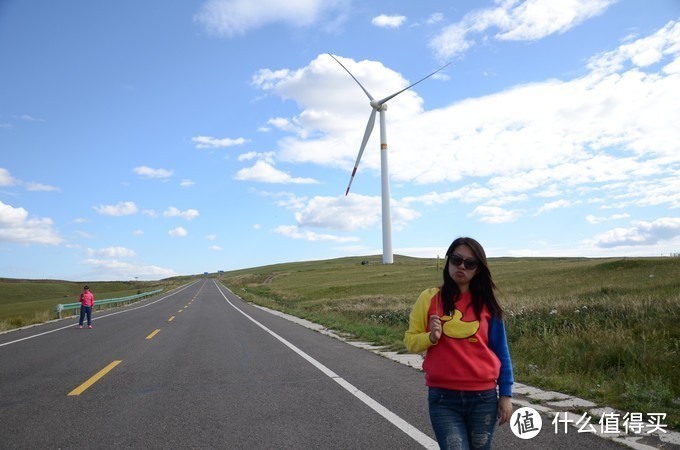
[386, 99]
[350, 74]
[367, 134]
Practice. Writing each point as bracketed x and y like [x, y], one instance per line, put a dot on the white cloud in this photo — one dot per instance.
[517, 21]
[215, 248]
[494, 214]
[150, 213]
[148, 172]
[6, 179]
[289, 125]
[641, 233]
[17, 227]
[111, 269]
[267, 79]
[289, 200]
[212, 142]
[349, 213]
[608, 136]
[265, 172]
[121, 209]
[178, 232]
[138, 233]
[111, 252]
[40, 187]
[435, 18]
[333, 104]
[471, 193]
[555, 205]
[642, 52]
[266, 156]
[28, 118]
[293, 231]
[596, 220]
[211, 237]
[187, 183]
[189, 214]
[230, 18]
[385, 21]
[452, 41]
[536, 19]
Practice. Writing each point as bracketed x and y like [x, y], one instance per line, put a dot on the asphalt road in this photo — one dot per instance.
[199, 368]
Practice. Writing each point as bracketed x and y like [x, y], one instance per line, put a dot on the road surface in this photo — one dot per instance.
[198, 367]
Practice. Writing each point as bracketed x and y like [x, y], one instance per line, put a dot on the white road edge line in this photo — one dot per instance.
[97, 318]
[397, 421]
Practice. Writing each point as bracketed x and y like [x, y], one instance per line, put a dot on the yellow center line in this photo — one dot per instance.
[171, 319]
[154, 333]
[80, 389]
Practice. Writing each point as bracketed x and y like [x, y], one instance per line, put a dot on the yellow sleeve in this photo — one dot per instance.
[417, 338]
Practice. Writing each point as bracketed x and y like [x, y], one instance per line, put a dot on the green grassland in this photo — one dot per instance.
[603, 329]
[26, 302]
[607, 330]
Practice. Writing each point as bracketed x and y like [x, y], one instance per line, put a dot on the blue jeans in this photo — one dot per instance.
[85, 310]
[463, 419]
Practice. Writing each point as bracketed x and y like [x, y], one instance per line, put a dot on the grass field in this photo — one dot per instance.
[25, 302]
[603, 329]
[607, 330]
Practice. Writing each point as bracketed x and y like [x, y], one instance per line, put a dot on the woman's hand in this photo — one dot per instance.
[435, 328]
[504, 409]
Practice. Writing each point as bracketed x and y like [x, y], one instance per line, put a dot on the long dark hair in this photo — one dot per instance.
[482, 286]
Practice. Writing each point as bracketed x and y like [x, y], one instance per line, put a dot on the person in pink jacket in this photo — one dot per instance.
[86, 305]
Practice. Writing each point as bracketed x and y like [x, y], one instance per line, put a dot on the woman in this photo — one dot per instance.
[460, 325]
[86, 306]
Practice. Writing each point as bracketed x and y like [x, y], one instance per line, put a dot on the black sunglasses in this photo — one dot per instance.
[469, 264]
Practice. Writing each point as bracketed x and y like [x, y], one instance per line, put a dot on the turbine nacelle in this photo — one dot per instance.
[378, 105]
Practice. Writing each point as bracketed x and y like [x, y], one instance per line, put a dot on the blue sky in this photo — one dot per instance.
[151, 139]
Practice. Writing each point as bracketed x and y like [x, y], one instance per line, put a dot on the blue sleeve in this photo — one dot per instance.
[498, 343]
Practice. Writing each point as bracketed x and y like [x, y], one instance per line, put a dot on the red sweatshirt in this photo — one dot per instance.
[462, 359]
[87, 298]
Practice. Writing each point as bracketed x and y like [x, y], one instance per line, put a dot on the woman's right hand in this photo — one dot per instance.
[435, 328]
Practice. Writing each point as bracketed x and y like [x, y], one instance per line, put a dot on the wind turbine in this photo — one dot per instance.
[380, 106]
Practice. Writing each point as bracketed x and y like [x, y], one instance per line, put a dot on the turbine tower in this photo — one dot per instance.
[380, 106]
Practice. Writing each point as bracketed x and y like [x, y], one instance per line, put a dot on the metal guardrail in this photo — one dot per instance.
[109, 301]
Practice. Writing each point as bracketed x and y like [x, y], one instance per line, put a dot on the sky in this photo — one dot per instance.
[144, 140]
